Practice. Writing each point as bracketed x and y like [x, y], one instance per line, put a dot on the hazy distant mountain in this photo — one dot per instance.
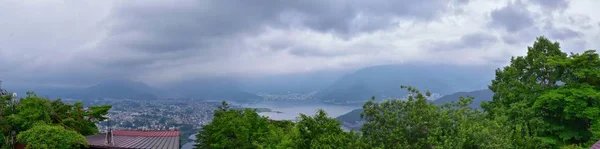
[209, 89]
[107, 89]
[352, 116]
[384, 81]
[116, 89]
[478, 97]
[213, 89]
[294, 83]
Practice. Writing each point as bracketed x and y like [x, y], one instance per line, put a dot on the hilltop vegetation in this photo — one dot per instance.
[42, 123]
[546, 99]
[479, 96]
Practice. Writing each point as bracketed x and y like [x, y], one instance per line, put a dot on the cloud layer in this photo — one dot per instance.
[71, 43]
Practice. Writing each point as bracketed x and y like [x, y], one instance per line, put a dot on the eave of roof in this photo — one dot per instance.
[137, 139]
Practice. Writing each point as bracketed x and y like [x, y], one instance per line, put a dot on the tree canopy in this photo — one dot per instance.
[61, 125]
[548, 98]
[418, 123]
[244, 128]
[51, 137]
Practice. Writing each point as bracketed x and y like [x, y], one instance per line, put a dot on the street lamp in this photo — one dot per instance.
[14, 101]
[109, 135]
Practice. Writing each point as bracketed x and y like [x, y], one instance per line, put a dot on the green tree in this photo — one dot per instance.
[398, 123]
[76, 118]
[464, 127]
[6, 126]
[319, 131]
[549, 99]
[51, 137]
[417, 123]
[236, 128]
[518, 85]
[233, 128]
[32, 110]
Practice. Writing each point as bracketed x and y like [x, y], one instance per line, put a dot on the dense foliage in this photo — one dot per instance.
[546, 99]
[418, 123]
[53, 137]
[549, 99]
[32, 117]
[244, 128]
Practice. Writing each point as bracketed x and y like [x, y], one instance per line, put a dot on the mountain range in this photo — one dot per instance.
[206, 89]
[384, 81]
[291, 83]
[339, 87]
[116, 89]
[213, 89]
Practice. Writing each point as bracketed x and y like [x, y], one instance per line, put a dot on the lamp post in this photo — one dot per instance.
[109, 135]
[14, 101]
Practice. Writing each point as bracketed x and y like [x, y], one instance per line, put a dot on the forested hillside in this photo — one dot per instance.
[479, 97]
[546, 99]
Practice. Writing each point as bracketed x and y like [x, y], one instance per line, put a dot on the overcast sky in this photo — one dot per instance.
[74, 42]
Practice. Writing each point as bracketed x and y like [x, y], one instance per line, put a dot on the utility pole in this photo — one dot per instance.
[109, 135]
[14, 132]
[13, 96]
[2, 91]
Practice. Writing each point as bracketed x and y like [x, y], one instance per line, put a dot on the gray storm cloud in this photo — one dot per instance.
[78, 43]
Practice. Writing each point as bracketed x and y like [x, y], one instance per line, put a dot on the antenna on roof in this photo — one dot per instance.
[2, 91]
[109, 135]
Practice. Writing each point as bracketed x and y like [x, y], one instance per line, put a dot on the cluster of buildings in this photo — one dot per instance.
[165, 114]
[288, 96]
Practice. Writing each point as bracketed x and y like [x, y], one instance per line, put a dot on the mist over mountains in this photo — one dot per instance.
[332, 87]
[116, 89]
[384, 81]
[106, 89]
[212, 89]
[295, 83]
[209, 89]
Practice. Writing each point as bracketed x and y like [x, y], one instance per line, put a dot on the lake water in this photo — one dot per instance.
[189, 145]
[291, 110]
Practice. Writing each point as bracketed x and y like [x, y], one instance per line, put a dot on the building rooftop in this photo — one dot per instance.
[596, 145]
[126, 139]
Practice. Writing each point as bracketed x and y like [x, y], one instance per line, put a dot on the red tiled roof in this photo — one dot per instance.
[145, 133]
[137, 139]
[596, 146]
